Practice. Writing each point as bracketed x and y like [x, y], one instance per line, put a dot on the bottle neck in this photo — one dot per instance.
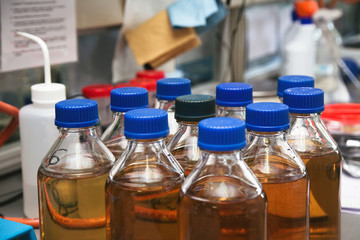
[116, 128]
[167, 105]
[237, 112]
[44, 105]
[306, 120]
[222, 160]
[188, 124]
[188, 128]
[269, 154]
[278, 135]
[187, 131]
[91, 130]
[146, 145]
[308, 133]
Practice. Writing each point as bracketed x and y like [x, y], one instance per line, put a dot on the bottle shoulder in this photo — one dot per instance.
[308, 135]
[78, 154]
[273, 159]
[226, 169]
[143, 164]
[222, 189]
[38, 112]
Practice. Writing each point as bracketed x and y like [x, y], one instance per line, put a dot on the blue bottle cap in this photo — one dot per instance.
[291, 81]
[234, 94]
[146, 123]
[267, 117]
[128, 98]
[304, 100]
[171, 88]
[76, 113]
[308, 20]
[221, 134]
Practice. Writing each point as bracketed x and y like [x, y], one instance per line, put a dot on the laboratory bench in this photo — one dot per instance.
[10, 188]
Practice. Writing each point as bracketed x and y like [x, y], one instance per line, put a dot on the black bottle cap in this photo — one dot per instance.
[194, 108]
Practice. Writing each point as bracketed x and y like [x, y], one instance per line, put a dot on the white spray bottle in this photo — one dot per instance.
[37, 129]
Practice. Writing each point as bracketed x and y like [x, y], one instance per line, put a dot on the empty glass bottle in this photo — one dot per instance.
[221, 198]
[232, 98]
[280, 170]
[291, 81]
[72, 176]
[143, 186]
[122, 100]
[189, 110]
[310, 138]
[167, 90]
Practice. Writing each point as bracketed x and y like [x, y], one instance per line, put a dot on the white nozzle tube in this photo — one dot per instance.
[45, 52]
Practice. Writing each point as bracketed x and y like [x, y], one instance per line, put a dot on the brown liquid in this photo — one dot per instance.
[287, 209]
[324, 173]
[287, 193]
[72, 208]
[204, 212]
[182, 156]
[143, 205]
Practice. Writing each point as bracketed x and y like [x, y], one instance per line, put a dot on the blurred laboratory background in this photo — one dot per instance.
[209, 42]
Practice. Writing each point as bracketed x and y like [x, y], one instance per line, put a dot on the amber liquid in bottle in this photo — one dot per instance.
[72, 208]
[147, 212]
[324, 171]
[287, 199]
[236, 217]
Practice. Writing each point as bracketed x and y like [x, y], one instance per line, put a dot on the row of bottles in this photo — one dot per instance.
[206, 181]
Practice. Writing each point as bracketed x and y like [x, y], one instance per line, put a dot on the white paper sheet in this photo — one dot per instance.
[53, 21]
[350, 193]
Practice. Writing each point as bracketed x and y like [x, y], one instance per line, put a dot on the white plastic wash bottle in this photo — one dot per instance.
[37, 130]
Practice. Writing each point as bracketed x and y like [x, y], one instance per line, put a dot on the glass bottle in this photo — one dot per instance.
[221, 198]
[232, 98]
[72, 176]
[279, 169]
[122, 100]
[143, 186]
[101, 94]
[310, 138]
[167, 90]
[189, 110]
[291, 81]
[148, 78]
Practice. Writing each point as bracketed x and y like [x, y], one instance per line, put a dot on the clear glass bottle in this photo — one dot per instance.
[122, 100]
[232, 98]
[142, 190]
[291, 81]
[310, 138]
[167, 90]
[72, 176]
[221, 198]
[328, 44]
[189, 110]
[101, 94]
[279, 169]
